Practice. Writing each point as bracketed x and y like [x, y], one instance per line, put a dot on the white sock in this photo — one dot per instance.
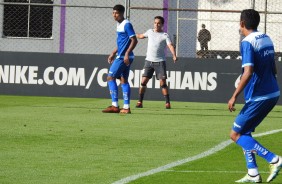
[274, 160]
[115, 104]
[126, 106]
[253, 172]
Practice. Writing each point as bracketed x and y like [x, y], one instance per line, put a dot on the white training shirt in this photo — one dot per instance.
[157, 42]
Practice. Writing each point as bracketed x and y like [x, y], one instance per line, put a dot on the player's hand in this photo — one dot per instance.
[231, 104]
[111, 59]
[126, 60]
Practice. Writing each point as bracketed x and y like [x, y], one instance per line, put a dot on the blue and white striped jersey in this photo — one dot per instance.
[257, 50]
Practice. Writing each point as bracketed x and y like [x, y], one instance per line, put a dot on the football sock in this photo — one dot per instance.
[251, 162]
[141, 97]
[247, 142]
[253, 172]
[126, 106]
[142, 91]
[167, 98]
[114, 92]
[274, 160]
[126, 93]
[115, 104]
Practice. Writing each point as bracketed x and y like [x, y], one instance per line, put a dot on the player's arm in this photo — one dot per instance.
[172, 50]
[140, 36]
[132, 45]
[112, 56]
[245, 78]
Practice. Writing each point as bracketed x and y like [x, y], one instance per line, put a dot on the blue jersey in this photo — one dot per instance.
[257, 50]
[124, 32]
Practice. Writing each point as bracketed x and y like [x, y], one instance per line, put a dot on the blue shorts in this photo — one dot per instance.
[118, 69]
[252, 115]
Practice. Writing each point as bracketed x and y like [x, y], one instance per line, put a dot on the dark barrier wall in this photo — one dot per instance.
[75, 75]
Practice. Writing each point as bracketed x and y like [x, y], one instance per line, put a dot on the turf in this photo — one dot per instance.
[68, 140]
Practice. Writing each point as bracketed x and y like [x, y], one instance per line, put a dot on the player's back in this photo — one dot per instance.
[258, 51]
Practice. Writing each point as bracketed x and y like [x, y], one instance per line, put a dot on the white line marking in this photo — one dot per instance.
[244, 172]
[91, 78]
[211, 151]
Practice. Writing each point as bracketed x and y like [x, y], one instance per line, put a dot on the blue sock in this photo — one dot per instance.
[113, 90]
[247, 142]
[250, 159]
[126, 93]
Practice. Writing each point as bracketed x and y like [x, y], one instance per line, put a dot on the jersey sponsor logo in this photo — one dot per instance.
[267, 52]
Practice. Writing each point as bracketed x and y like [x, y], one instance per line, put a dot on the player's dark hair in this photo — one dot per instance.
[120, 8]
[251, 18]
[160, 18]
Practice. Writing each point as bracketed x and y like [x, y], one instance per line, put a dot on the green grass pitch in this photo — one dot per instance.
[70, 141]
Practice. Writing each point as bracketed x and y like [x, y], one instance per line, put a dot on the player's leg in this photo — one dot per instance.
[126, 96]
[114, 72]
[248, 119]
[114, 95]
[146, 76]
[253, 174]
[162, 76]
[126, 91]
[165, 93]
[142, 91]
[251, 146]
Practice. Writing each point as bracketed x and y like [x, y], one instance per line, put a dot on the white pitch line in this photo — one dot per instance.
[190, 171]
[211, 151]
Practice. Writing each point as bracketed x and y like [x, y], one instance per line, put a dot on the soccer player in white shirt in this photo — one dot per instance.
[158, 40]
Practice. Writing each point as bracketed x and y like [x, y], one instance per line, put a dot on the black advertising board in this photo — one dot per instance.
[80, 75]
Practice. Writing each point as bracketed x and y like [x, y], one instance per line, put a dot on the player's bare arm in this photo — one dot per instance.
[130, 49]
[112, 56]
[246, 76]
[172, 50]
[140, 36]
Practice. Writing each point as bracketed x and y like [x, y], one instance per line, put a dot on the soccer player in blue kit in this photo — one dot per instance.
[261, 94]
[126, 42]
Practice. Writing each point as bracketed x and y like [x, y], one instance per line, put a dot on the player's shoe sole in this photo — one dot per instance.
[274, 169]
[111, 109]
[250, 179]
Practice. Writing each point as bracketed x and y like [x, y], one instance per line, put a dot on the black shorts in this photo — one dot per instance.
[158, 67]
